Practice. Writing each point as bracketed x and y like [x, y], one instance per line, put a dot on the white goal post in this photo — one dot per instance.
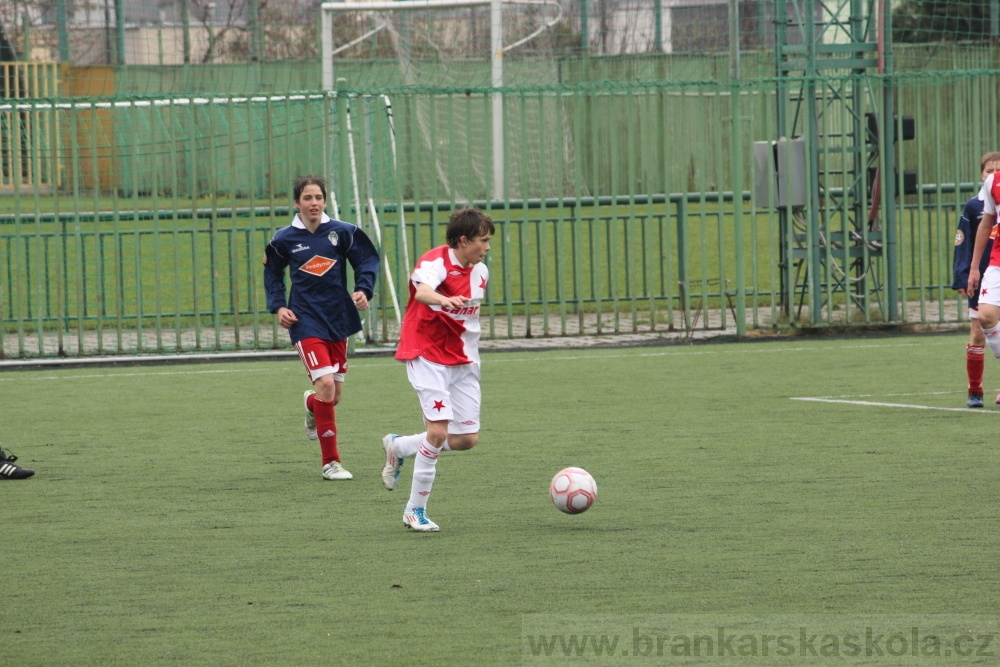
[497, 49]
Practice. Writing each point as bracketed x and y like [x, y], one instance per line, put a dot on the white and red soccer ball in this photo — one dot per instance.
[573, 490]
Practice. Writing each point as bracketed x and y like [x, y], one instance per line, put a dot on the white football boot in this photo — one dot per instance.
[393, 463]
[336, 471]
[418, 520]
[310, 422]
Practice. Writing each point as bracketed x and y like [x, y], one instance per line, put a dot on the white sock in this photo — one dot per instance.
[424, 470]
[407, 445]
[993, 339]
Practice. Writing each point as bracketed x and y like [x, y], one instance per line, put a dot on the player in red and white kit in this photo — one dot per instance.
[439, 342]
[965, 240]
[988, 284]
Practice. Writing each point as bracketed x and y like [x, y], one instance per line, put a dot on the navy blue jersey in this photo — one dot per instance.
[317, 264]
[965, 241]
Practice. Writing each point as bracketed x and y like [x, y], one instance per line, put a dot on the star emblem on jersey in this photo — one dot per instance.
[439, 405]
[318, 265]
[482, 285]
[333, 237]
[983, 293]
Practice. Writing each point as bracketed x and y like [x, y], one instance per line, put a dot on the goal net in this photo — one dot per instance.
[475, 87]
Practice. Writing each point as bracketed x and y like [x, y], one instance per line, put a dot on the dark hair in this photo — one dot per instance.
[302, 181]
[470, 223]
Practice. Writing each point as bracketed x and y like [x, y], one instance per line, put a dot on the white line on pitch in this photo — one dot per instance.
[907, 393]
[890, 405]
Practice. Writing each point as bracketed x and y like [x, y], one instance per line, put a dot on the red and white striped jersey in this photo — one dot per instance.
[446, 336]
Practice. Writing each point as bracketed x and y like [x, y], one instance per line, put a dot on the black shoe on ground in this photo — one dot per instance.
[10, 471]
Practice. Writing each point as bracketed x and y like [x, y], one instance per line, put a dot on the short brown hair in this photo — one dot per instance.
[470, 223]
[302, 181]
[987, 158]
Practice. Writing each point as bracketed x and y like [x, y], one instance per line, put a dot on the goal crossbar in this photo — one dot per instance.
[416, 5]
[497, 49]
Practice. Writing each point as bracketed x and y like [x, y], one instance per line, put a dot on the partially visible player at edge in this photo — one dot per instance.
[439, 342]
[965, 237]
[320, 313]
[988, 283]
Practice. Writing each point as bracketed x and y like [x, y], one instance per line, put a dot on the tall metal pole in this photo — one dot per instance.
[658, 24]
[255, 40]
[811, 121]
[63, 32]
[734, 39]
[186, 30]
[496, 63]
[785, 259]
[326, 50]
[107, 34]
[889, 165]
[26, 47]
[737, 169]
[120, 32]
[343, 182]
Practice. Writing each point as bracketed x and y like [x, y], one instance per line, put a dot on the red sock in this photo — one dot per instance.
[326, 429]
[974, 367]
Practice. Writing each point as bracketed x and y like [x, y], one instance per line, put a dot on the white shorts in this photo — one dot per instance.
[447, 393]
[989, 287]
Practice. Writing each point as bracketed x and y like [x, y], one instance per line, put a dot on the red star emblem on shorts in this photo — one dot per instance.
[983, 293]
[439, 405]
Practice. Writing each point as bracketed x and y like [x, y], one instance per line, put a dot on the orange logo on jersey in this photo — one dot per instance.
[318, 265]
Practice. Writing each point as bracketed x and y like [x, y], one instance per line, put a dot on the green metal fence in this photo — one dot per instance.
[627, 207]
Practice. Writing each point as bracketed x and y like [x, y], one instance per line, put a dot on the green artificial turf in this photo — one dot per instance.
[178, 515]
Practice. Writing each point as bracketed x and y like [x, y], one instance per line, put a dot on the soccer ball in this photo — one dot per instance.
[573, 490]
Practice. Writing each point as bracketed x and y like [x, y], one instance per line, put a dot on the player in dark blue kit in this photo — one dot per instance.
[965, 239]
[321, 312]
